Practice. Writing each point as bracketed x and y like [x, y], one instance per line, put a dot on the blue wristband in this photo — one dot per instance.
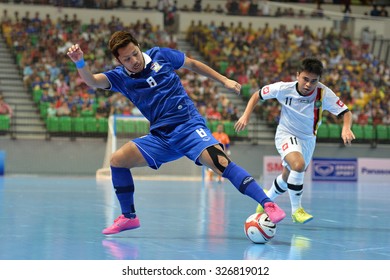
[80, 64]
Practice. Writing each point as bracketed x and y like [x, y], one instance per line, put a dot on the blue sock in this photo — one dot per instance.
[245, 183]
[123, 183]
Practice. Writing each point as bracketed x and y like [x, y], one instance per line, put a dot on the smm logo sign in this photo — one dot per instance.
[334, 169]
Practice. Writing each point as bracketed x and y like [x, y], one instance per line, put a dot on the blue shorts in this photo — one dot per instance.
[167, 144]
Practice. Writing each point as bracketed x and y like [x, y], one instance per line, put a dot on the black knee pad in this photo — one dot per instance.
[214, 153]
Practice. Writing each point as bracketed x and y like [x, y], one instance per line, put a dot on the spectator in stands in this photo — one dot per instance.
[253, 8]
[232, 7]
[386, 119]
[212, 112]
[102, 111]
[383, 12]
[150, 81]
[45, 96]
[63, 109]
[197, 7]
[87, 105]
[5, 108]
[363, 117]
[134, 5]
[5, 17]
[147, 6]
[219, 9]
[27, 72]
[375, 12]
[347, 7]
[74, 112]
[295, 136]
[208, 9]
[318, 12]
[52, 110]
[243, 7]
[265, 8]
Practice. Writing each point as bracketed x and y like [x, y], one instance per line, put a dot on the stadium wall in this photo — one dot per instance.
[83, 157]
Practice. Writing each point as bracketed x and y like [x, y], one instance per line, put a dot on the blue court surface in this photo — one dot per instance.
[61, 218]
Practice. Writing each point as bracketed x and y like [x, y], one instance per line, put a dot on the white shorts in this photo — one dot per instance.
[286, 143]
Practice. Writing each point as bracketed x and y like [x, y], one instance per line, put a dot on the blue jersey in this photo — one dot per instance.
[157, 90]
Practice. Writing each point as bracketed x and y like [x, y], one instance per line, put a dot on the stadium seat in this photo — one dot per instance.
[34, 38]
[37, 94]
[90, 124]
[78, 124]
[4, 122]
[223, 66]
[334, 131]
[102, 124]
[229, 128]
[246, 91]
[243, 133]
[369, 132]
[43, 109]
[323, 131]
[65, 124]
[382, 132]
[357, 129]
[212, 125]
[142, 127]
[87, 114]
[129, 126]
[52, 124]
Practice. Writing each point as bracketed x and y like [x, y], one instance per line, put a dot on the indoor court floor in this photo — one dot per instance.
[61, 218]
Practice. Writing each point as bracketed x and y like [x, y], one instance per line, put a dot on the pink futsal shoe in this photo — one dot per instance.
[122, 223]
[274, 212]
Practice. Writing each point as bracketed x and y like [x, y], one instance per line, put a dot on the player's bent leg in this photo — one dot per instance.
[245, 183]
[242, 181]
[122, 181]
[122, 160]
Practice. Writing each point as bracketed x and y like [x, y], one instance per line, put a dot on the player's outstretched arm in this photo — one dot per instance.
[207, 71]
[93, 80]
[346, 133]
[244, 119]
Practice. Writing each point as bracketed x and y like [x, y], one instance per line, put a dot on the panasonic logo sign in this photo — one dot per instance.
[375, 171]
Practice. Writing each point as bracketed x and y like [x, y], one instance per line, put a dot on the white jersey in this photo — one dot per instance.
[301, 115]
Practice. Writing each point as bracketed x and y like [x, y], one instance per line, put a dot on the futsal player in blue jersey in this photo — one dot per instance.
[148, 79]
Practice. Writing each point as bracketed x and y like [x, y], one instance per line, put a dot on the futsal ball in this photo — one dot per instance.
[259, 228]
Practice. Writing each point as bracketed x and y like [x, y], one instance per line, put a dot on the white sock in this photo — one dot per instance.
[295, 189]
[278, 187]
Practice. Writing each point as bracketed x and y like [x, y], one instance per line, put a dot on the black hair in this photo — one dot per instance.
[311, 65]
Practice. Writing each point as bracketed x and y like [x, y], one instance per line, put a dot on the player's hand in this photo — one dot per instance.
[347, 136]
[233, 85]
[75, 53]
[241, 123]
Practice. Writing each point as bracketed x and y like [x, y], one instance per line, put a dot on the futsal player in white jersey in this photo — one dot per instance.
[303, 102]
[177, 129]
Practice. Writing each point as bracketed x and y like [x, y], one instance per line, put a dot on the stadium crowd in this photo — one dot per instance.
[266, 55]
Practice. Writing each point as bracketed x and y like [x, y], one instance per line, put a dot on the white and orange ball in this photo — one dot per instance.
[259, 228]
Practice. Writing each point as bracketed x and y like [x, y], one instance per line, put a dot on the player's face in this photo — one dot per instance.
[131, 57]
[307, 82]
